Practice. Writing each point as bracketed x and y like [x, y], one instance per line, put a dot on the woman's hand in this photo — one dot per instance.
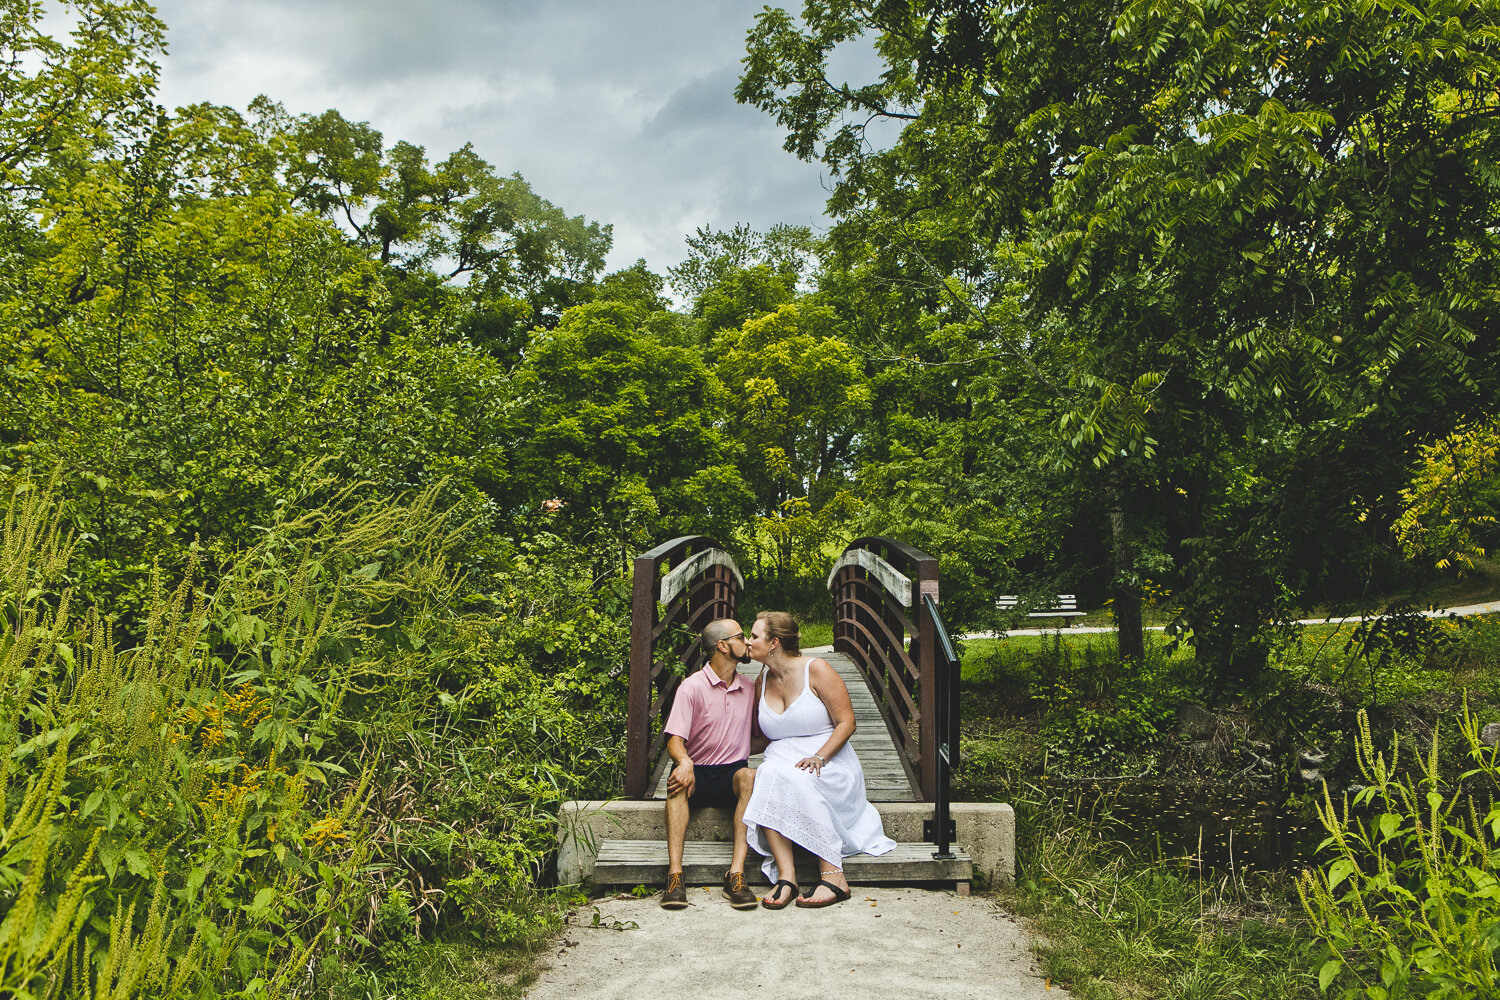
[814, 764]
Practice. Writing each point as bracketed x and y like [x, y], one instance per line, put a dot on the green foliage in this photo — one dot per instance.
[1116, 924]
[1451, 501]
[1094, 737]
[1261, 254]
[1095, 709]
[522, 260]
[799, 398]
[440, 969]
[276, 757]
[174, 831]
[626, 430]
[717, 259]
[1410, 903]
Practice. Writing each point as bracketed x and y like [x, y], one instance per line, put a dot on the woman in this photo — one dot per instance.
[810, 790]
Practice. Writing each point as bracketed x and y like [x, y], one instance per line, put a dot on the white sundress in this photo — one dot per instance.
[827, 814]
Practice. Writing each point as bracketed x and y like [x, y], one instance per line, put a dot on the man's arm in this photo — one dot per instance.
[681, 781]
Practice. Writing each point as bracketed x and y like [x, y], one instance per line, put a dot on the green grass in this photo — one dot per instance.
[817, 634]
[436, 970]
[1114, 921]
[1113, 925]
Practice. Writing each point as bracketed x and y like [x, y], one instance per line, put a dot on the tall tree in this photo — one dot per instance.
[1265, 229]
[798, 396]
[621, 434]
[453, 234]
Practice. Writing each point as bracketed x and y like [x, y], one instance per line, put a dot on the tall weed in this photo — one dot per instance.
[165, 834]
[1410, 903]
[336, 748]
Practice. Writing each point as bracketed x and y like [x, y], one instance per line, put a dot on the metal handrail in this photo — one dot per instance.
[703, 585]
[946, 719]
[877, 585]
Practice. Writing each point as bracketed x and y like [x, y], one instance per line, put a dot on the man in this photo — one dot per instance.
[708, 739]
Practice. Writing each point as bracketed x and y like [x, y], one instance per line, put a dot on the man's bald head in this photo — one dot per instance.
[717, 631]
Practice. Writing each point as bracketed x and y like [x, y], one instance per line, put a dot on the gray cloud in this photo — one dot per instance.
[623, 112]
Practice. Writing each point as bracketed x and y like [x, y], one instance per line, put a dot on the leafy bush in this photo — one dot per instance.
[195, 804]
[168, 830]
[1094, 707]
[1410, 903]
[1097, 737]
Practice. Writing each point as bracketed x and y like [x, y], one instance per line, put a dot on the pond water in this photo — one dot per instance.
[1198, 826]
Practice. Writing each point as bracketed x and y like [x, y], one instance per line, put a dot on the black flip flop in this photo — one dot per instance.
[766, 902]
[805, 900]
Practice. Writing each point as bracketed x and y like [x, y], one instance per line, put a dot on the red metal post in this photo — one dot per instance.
[638, 722]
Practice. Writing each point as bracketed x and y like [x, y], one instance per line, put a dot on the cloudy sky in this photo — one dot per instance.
[618, 110]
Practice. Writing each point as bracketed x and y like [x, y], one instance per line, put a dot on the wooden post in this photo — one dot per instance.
[926, 580]
[638, 721]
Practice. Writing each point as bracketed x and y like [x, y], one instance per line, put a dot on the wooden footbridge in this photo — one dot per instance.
[890, 646]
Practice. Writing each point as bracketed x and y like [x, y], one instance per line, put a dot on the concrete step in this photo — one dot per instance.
[644, 862]
[985, 829]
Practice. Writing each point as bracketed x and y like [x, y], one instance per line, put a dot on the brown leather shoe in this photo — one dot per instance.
[738, 893]
[674, 896]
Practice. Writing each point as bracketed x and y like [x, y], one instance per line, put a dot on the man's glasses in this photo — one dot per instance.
[731, 638]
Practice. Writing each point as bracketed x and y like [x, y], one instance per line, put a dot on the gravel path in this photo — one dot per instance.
[885, 942]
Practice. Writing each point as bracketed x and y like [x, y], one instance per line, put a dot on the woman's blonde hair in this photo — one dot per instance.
[782, 626]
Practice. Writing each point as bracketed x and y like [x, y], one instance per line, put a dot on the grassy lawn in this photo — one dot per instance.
[816, 634]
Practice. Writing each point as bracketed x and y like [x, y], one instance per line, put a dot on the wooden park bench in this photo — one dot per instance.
[1065, 606]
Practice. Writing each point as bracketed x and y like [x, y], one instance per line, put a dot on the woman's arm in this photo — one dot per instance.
[831, 691]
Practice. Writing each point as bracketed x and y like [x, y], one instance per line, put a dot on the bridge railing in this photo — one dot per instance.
[878, 585]
[678, 588]
[945, 721]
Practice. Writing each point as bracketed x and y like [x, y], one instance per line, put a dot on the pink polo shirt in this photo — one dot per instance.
[713, 718]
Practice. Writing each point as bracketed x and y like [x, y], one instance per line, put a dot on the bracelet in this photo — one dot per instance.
[820, 758]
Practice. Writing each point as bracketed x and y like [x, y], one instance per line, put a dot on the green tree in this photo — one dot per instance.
[1265, 248]
[788, 252]
[798, 398]
[625, 431]
[454, 235]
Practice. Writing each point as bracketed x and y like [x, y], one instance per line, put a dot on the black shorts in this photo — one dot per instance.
[713, 785]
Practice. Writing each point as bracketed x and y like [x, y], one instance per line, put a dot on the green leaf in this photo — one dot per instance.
[1338, 871]
[195, 881]
[110, 853]
[1331, 968]
[138, 862]
[260, 905]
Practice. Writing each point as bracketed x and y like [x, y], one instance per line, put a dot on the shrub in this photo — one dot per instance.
[195, 804]
[1410, 903]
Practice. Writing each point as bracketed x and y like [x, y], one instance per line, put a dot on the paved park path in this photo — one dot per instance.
[884, 942]
[1468, 609]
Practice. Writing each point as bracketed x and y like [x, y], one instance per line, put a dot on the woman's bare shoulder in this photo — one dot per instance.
[822, 671]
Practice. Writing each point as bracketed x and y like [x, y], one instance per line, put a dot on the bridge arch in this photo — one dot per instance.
[677, 589]
[885, 599]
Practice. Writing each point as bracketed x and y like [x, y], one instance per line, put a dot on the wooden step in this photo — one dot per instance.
[644, 862]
